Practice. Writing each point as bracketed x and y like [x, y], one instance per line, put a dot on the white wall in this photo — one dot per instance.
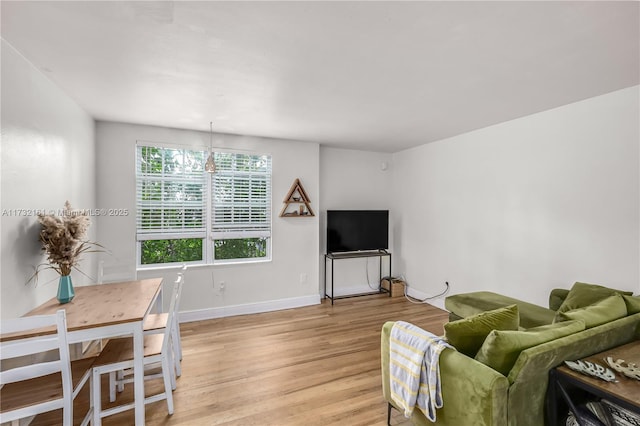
[249, 287]
[354, 180]
[525, 206]
[48, 157]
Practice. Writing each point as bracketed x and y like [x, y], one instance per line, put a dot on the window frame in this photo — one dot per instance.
[208, 235]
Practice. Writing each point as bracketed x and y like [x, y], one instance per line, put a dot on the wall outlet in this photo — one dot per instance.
[222, 286]
[303, 278]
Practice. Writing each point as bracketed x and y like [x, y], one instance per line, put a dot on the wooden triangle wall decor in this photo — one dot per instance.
[296, 203]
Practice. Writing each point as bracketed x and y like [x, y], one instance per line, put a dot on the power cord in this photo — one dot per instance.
[366, 267]
[419, 301]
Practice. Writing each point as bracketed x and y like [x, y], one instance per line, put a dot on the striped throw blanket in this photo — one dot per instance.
[414, 369]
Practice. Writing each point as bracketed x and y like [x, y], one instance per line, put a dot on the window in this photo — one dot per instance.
[185, 215]
[241, 206]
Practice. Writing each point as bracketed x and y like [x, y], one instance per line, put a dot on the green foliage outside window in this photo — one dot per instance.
[190, 249]
[240, 248]
[169, 251]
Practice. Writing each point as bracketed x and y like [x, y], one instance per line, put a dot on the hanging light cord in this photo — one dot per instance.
[210, 165]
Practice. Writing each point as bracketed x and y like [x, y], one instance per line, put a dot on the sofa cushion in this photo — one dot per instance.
[582, 294]
[501, 348]
[466, 304]
[606, 310]
[467, 334]
[633, 304]
[557, 297]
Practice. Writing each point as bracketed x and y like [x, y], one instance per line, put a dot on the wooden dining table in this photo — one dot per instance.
[109, 310]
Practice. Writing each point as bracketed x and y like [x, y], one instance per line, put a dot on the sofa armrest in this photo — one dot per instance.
[529, 377]
[472, 393]
[556, 297]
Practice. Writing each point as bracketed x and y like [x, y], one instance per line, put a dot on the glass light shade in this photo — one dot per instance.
[210, 165]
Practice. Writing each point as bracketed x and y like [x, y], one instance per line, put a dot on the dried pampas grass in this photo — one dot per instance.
[63, 238]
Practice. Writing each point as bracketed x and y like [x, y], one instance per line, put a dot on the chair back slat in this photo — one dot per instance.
[27, 372]
[39, 349]
[34, 322]
[16, 348]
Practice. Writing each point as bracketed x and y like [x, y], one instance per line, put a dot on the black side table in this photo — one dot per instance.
[625, 392]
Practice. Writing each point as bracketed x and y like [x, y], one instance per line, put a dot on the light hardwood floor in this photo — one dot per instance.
[317, 365]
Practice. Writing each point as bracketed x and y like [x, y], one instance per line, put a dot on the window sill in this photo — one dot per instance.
[178, 266]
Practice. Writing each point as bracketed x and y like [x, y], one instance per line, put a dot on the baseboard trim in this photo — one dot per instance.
[248, 308]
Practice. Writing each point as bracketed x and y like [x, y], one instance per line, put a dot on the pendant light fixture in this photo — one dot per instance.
[210, 165]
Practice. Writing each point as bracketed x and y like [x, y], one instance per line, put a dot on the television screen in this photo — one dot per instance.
[357, 230]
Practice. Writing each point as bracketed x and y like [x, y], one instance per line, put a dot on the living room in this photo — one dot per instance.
[546, 196]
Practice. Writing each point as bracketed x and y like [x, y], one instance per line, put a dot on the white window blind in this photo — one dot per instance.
[171, 189]
[241, 201]
[185, 214]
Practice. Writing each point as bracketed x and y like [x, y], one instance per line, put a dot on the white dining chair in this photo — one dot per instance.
[156, 324]
[117, 356]
[43, 378]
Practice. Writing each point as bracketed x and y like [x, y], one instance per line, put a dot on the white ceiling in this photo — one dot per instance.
[381, 76]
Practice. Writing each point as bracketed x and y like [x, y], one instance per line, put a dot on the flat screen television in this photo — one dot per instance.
[357, 230]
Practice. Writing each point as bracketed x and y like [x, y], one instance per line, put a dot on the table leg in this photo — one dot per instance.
[138, 373]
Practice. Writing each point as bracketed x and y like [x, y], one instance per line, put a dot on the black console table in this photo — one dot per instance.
[331, 257]
[564, 384]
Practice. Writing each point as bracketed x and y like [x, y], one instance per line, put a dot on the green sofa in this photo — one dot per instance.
[476, 394]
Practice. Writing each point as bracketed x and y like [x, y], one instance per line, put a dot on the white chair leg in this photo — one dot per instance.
[177, 352]
[67, 414]
[120, 380]
[89, 416]
[96, 399]
[166, 371]
[172, 363]
[178, 342]
[112, 386]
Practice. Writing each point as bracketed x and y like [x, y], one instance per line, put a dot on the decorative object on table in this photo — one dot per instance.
[592, 369]
[627, 368]
[63, 238]
[65, 292]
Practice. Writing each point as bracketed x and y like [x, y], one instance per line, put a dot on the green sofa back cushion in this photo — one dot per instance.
[633, 304]
[606, 310]
[467, 335]
[582, 294]
[501, 349]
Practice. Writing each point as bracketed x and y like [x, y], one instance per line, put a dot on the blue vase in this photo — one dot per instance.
[65, 289]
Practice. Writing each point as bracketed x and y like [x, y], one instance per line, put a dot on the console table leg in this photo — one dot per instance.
[332, 293]
[572, 407]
